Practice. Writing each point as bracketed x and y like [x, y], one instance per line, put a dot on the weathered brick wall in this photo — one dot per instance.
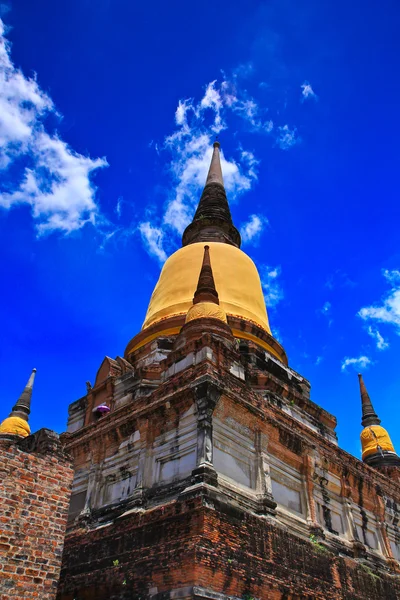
[138, 555]
[248, 556]
[35, 482]
[206, 543]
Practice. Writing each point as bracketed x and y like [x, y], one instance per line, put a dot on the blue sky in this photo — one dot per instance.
[107, 114]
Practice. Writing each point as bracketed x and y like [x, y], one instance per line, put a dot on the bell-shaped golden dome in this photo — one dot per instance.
[236, 279]
[205, 310]
[375, 438]
[15, 426]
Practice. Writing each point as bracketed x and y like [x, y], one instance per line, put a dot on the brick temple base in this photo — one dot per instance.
[201, 547]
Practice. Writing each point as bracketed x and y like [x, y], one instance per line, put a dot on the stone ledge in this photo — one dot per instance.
[191, 592]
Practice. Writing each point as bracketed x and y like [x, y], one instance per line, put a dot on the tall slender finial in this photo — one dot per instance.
[206, 291]
[22, 407]
[17, 421]
[215, 170]
[212, 221]
[369, 416]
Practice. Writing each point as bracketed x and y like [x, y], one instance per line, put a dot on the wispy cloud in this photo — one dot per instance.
[360, 363]
[388, 310]
[287, 137]
[252, 229]
[339, 279]
[190, 149]
[272, 289]
[381, 343]
[213, 99]
[5, 7]
[54, 179]
[118, 208]
[277, 334]
[153, 238]
[326, 311]
[307, 92]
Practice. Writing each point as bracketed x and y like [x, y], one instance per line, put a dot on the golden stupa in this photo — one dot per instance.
[376, 445]
[206, 303]
[241, 297]
[236, 279]
[17, 422]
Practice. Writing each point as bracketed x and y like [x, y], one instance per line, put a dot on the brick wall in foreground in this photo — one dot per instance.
[35, 481]
[204, 548]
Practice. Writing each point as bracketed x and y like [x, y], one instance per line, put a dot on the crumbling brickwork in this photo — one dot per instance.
[202, 543]
[36, 477]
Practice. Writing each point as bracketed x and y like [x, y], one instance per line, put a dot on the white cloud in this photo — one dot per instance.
[268, 126]
[307, 91]
[326, 309]
[339, 279]
[287, 137]
[251, 230]
[192, 156]
[191, 149]
[118, 208]
[22, 103]
[381, 343]
[273, 292]
[388, 311]
[245, 107]
[180, 113]
[153, 238]
[319, 360]
[357, 363]
[55, 180]
[212, 100]
[250, 162]
[277, 334]
[392, 276]
[190, 146]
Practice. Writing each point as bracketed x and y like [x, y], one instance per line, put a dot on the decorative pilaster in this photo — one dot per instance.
[380, 511]
[266, 500]
[206, 395]
[309, 467]
[144, 466]
[347, 500]
[359, 547]
[93, 481]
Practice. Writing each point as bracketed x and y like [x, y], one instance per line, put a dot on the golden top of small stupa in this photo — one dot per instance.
[206, 300]
[17, 421]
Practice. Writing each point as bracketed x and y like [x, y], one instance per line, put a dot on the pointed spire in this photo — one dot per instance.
[369, 416]
[22, 407]
[205, 300]
[212, 220]
[206, 291]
